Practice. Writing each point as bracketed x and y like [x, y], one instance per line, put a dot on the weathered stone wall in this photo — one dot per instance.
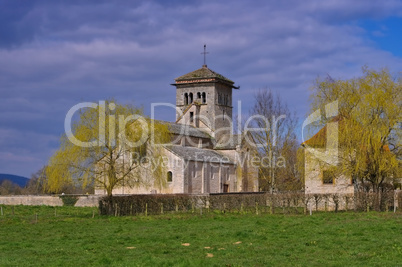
[176, 165]
[314, 167]
[88, 201]
[31, 200]
[217, 116]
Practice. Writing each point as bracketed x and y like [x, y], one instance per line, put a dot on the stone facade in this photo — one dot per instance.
[317, 181]
[204, 100]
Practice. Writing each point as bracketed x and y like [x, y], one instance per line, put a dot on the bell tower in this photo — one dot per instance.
[204, 100]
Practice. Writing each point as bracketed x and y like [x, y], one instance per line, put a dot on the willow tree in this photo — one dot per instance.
[369, 120]
[108, 145]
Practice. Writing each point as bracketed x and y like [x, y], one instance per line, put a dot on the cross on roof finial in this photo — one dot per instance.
[205, 53]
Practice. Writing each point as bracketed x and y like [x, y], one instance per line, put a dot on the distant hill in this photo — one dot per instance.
[19, 180]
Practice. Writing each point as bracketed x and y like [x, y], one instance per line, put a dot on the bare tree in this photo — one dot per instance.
[276, 138]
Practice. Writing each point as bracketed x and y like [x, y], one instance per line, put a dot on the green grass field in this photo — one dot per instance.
[69, 236]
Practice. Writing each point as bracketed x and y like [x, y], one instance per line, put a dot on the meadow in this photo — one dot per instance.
[72, 236]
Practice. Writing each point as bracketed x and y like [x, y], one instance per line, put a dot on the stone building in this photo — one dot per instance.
[204, 155]
[319, 161]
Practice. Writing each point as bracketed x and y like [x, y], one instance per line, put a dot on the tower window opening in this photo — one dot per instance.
[191, 116]
[190, 98]
[185, 99]
[198, 95]
[204, 98]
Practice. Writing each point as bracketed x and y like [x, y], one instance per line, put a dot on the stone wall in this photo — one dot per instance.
[31, 200]
[314, 170]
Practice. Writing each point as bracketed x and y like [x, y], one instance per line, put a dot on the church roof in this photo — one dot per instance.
[184, 129]
[198, 154]
[229, 142]
[203, 74]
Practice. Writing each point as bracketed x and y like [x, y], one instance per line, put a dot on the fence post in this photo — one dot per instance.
[161, 208]
[256, 208]
[146, 209]
[1, 210]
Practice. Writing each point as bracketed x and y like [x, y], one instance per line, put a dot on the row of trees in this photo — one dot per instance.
[369, 108]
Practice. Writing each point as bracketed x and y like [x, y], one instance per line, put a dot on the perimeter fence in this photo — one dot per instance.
[258, 202]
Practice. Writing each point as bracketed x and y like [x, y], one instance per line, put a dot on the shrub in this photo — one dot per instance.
[69, 200]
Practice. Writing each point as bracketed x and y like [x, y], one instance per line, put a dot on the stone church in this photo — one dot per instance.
[204, 155]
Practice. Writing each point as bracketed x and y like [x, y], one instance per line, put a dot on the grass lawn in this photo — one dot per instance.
[70, 236]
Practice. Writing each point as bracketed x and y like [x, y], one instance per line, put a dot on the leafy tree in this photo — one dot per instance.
[370, 120]
[277, 142]
[112, 145]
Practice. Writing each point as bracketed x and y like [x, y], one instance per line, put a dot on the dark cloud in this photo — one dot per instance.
[16, 25]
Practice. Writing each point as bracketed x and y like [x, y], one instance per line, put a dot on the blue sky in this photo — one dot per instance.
[55, 54]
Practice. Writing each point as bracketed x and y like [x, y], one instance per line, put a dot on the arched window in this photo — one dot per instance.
[204, 98]
[169, 177]
[198, 95]
[185, 99]
[190, 98]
